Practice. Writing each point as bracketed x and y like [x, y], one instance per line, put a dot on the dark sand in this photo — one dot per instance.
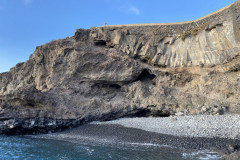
[118, 135]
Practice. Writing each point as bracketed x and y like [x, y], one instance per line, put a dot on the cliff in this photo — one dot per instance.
[117, 71]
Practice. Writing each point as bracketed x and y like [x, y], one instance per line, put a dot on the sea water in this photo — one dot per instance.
[28, 148]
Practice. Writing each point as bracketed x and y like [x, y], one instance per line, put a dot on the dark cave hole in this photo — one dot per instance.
[145, 75]
[105, 85]
[115, 86]
[100, 43]
[149, 113]
[144, 60]
[142, 113]
[30, 104]
[136, 56]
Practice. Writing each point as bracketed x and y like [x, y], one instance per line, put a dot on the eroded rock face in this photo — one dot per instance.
[117, 71]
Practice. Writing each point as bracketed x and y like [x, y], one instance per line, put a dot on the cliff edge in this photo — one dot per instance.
[118, 71]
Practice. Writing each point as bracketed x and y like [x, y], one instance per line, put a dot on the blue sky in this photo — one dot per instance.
[25, 24]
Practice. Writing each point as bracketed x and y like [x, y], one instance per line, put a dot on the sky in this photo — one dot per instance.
[25, 24]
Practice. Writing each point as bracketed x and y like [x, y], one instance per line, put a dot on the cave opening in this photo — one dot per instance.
[100, 43]
[115, 86]
[30, 104]
[105, 85]
[145, 75]
[149, 113]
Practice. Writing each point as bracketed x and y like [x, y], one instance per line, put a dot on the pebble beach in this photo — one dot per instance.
[210, 126]
[186, 132]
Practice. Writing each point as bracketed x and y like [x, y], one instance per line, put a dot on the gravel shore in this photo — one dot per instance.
[222, 126]
[188, 132]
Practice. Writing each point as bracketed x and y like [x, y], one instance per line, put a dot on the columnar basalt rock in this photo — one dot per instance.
[109, 72]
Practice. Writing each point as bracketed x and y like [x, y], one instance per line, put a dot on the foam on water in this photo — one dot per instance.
[202, 155]
[16, 147]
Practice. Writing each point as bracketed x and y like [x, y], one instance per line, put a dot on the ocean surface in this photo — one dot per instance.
[29, 148]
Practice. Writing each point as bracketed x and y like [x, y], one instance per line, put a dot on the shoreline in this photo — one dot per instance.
[135, 132]
[117, 135]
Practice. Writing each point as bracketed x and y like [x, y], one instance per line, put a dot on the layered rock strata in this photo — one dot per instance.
[109, 72]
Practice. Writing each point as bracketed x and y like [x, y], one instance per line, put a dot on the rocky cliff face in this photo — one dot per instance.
[109, 72]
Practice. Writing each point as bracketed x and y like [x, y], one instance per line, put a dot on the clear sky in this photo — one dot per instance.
[25, 24]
